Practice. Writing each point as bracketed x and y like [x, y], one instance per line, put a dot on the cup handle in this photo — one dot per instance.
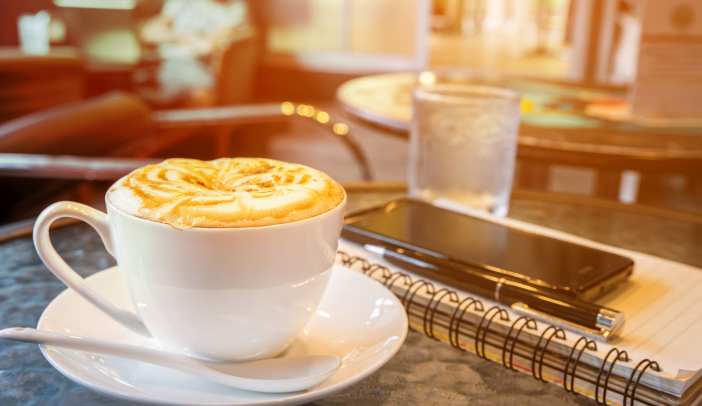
[56, 264]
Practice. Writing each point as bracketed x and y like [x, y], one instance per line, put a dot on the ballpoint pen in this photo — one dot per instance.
[588, 319]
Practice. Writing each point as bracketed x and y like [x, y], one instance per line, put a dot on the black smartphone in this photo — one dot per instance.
[575, 270]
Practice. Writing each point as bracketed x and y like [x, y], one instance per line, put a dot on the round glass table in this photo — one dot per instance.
[423, 371]
[561, 124]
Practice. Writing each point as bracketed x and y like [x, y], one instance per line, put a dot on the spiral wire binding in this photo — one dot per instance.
[453, 297]
[454, 330]
[652, 364]
[391, 281]
[590, 345]
[528, 323]
[558, 333]
[373, 268]
[617, 357]
[413, 289]
[503, 316]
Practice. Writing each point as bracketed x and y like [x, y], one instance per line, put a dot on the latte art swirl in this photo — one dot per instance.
[227, 192]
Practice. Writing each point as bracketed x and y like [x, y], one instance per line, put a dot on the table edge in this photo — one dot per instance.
[24, 227]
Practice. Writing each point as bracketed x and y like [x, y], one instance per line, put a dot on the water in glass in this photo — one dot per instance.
[463, 145]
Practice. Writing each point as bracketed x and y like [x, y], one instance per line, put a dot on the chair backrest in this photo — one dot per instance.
[100, 126]
[30, 83]
[235, 61]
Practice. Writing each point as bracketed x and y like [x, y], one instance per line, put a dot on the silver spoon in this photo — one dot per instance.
[277, 375]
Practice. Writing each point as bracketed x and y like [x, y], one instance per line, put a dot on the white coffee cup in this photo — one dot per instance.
[221, 293]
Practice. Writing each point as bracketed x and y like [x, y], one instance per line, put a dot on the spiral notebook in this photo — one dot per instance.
[657, 360]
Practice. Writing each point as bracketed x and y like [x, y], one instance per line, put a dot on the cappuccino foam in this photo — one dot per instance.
[227, 192]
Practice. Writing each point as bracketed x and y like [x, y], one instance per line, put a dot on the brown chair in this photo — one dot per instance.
[31, 83]
[233, 62]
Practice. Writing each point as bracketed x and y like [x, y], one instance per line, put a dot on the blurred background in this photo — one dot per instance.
[91, 89]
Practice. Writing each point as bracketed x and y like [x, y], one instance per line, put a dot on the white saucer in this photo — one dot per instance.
[358, 320]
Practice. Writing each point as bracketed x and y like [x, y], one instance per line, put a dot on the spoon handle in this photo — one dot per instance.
[272, 376]
[133, 352]
[161, 358]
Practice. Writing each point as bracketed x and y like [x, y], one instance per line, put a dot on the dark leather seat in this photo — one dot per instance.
[106, 125]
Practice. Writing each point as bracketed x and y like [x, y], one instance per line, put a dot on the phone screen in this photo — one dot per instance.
[495, 248]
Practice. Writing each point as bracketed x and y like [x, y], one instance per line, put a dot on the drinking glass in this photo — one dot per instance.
[462, 145]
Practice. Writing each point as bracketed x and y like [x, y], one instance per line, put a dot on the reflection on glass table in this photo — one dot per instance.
[562, 146]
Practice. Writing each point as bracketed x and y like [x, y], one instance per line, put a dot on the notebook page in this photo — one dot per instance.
[663, 306]
[662, 302]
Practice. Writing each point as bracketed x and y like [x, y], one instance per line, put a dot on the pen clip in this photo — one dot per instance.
[602, 334]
